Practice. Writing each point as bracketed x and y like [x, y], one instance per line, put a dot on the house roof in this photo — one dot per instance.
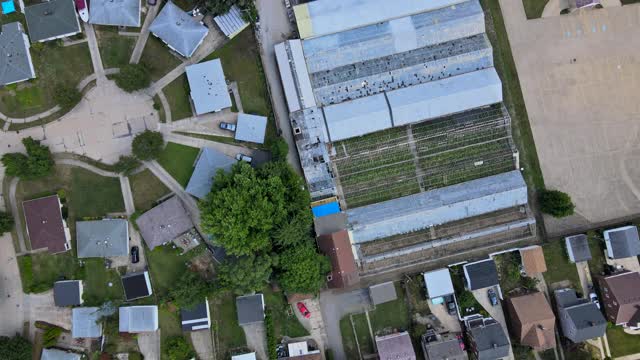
[15, 59]
[250, 309]
[179, 30]
[45, 225]
[137, 285]
[481, 274]
[581, 315]
[578, 248]
[135, 319]
[438, 283]
[382, 293]
[164, 222]
[533, 260]
[357, 117]
[395, 347]
[196, 318]
[84, 322]
[329, 224]
[447, 347]
[52, 19]
[67, 293]
[231, 23]
[208, 86]
[115, 12]
[337, 246]
[535, 318]
[102, 238]
[622, 242]
[251, 128]
[625, 287]
[491, 341]
[209, 162]
[248, 356]
[57, 354]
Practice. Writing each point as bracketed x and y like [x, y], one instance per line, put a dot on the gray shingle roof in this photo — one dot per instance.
[481, 274]
[115, 12]
[578, 248]
[231, 22]
[57, 354]
[395, 346]
[51, 20]
[135, 319]
[178, 29]
[102, 238]
[251, 128]
[196, 318]
[209, 161]
[382, 293]
[447, 347]
[164, 222]
[250, 309]
[622, 242]
[581, 314]
[84, 322]
[15, 59]
[491, 341]
[208, 86]
[67, 293]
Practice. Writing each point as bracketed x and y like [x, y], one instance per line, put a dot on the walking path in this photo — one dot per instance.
[236, 96]
[165, 106]
[176, 188]
[96, 59]
[75, 42]
[144, 34]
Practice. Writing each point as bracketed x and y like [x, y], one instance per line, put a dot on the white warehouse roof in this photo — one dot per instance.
[357, 117]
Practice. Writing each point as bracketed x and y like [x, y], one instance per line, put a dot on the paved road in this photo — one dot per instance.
[334, 307]
[144, 33]
[96, 59]
[495, 312]
[275, 28]
[11, 296]
[256, 339]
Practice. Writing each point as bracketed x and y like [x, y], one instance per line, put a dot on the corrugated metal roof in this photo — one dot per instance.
[357, 117]
[85, 322]
[286, 76]
[52, 19]
[115, 12]
[15, 59]
[209, 90]
[302, 75]
[447, 96]
[135, 319]
[251, 128]
[416, 212]
[231, 23]
[208, 164]
[179, 30]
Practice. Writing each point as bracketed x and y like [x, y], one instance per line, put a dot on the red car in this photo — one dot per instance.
[303, 310]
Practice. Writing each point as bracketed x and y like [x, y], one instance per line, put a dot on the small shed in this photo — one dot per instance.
[251, 128]
[136, 285]
[533, 260]
[383, 293]
[138, 319]
[438, 284]
[67, 293]
[84, 322]
[250, 309]
[8, 7]
[578, 248]
[231, 23]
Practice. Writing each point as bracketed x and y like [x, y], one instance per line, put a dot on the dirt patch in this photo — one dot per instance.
[203, 264]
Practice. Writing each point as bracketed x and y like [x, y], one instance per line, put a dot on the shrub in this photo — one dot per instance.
[6, 222]
[133, 77]
[50, 337]
[15, 348]
[556, 203]
[272, 342]
[177, 348]
[147, 145]
[67, 96]
[126, 165]
[279, 149]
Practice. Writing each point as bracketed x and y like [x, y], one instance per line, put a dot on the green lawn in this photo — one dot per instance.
[285, 322]
[597, 247]
[94, 195]
[178, 160]
[177, 94]
[39, 271]
[156, 55]
[558, 266]
[115, 50]
[167, 265]
[146, 189]
[534, 8]
[621, 343]
[169, 322]
[229, 336]
[362, 334]
[393, 314]
[100, 284]
[157, 105]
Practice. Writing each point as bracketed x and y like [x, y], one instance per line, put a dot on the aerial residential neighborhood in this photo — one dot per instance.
[319, 179]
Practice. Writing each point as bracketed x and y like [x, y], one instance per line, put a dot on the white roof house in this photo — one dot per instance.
[136, 319]
[251, 128]
[115, 12]
[208, 86]
[438, 283]
[248, 356]
[357, 117]
[179, 30]
[84, 322]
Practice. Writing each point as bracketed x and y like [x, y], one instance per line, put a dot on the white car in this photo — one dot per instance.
[243, 157]
[594, 299]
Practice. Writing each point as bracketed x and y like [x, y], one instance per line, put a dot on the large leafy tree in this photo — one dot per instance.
[245, 274]
[6, 222]
[126, 165]
[218, 7]
[37, 163]
[133, 77]
[14, 348]
[556, 203]
[147, 145]
[190, 290]
[301, 269]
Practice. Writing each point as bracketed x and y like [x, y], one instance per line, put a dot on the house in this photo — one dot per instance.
[578, 248]
[196, 318]
[164, 223]
[115, 12]
[622, 242]
[45, 226]
[67, 293]
[136, 285]
[580, 319]
[344, 272]
[15, 59]
[102, 238]
[301, 351]
[532, 321]
[438, 284]
[250, 309]
[208, 163]
[52, 20]
[481, 274]
[251, 128]
[248, 356]
[533, 260]
[395, 347]
[621, 298]
[209, 91]
[487, 339]
[138, 319]
[383, 293]
[231, 23]
[329, 224]
[442, 346]
[58, 354]
[85, 322]
[179, 30]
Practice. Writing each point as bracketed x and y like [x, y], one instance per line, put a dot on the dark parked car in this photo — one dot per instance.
[135, 255]
[451, 305]
[227, 126]
[493, 297]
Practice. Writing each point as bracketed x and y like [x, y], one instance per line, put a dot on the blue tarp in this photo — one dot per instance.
[8, 7]
[326, 209]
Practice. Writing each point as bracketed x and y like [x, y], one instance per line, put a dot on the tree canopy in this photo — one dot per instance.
[37, 163]
[126, 165]
[245, 274]
[190, 290]
[556, 203]
[301, 269]
[14, 348]
[147, 145]
[177, 348]
[218, 7]
[6, 222]
[133, 77]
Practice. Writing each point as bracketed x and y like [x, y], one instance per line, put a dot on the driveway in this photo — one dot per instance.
[149, 344]
[495, 312]
[314, 324]
[41, 307]
[11, 296]
[449, 322]
[335, 306]
[256, 339]
[630, 263]
[203, 344]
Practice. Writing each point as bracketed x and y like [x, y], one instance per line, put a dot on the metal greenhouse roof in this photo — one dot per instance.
[231, 23]
[357, 117]
[208, 86]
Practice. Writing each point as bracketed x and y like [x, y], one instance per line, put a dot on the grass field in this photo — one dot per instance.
[166, 265]
[177, 93]
[285, 322]
[558, 266]
[229, 335]
[115, 50]
[94, 195]
[621, 343]
[146, 189]
[96, 285]
[534, 8]
[178, 160]
[158, 57]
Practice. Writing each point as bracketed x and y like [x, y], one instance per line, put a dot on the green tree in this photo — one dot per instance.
[126, 165]
[245, 274]
[14, 348]
[279, 149]
[301, 269]
[556, 203]
[50, 336]
[190, 290]
[6, 222]
[147, 145]
[177, 348]
[67, 96]
[218, 7]
[133, 77]
[37, 163]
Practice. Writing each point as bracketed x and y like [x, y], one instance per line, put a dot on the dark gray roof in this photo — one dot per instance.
[445, 348]
[382, 293]
[481, 274]
[209, 161]
[196, 318]
[231, 22]
[102, 238]
[250, 309]
[115, 12]
[208, 87]
[51, 20]
[164, 222]
[622, 242]
[581, 314]
[67, 293]
[578, 248]
[179, 30]
[136, 285]
[251, 128]
[15, 59]
[330, 224]
[491, 341]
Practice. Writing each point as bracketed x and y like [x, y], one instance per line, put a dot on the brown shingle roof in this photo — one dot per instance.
[337, 246]
[533, 321]
[626, 289]
[44, 224]
[533, 260]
